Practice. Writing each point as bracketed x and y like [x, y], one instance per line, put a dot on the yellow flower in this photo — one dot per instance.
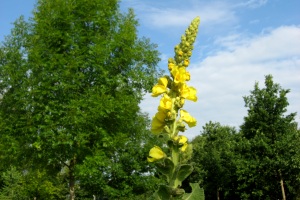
[181, 102]
[182, 140]
[161, 87]
[183, 148]
[165, 103]
[188, 92]
[180, 74]
[155, 154]
[188, 76]
[187, 118]
[158, 122]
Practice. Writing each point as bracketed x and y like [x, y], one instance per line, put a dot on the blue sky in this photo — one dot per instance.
[239, 42]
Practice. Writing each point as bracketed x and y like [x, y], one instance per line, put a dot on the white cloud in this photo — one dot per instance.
[224, 78]
[253, 3]
[163, 15]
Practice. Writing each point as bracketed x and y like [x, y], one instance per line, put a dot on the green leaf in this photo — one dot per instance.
[166, 166]
[164, 192]
[183, 172]
[197, 193]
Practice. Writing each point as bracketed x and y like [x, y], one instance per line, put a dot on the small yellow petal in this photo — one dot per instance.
[155, 154]
[161, 87]
[188, 76]
[156, 126]
[188, 92]
[187, 118]
[158, 122]
[151, 159]
[165, 103]
[183, 148]
[161, 116]
[158, 90]
[179, 74]
[171, 66]
[182, 139]
[163, 81]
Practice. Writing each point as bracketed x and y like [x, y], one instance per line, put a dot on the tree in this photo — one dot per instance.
[71, 80]
[125, 173]
[270, 164]
[214, 157]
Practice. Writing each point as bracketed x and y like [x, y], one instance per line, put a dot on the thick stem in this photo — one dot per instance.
[175, 158]
[174, 150]
[174, 125]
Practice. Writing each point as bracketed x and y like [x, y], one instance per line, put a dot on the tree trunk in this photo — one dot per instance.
[72, 179]
[282, 187]
[218, 194]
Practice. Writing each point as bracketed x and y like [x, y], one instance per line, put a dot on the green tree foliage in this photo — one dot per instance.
[269, 167]
[30, 185]
[12, 188]
[214, 157]
[125, 173]
[71, 81]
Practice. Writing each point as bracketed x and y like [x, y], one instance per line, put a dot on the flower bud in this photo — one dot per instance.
[186, 63]
[171, 66]
[180, 53]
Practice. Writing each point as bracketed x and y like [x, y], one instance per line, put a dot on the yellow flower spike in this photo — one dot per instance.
[183, 50]
[170, 118]
[165, 103]
[156, 153]
[161, 87]
[188, 92]
[187, 118]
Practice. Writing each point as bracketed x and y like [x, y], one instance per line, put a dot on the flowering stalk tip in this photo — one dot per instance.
[170, 118]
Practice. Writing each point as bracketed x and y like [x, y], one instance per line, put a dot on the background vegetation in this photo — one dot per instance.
[71, 80]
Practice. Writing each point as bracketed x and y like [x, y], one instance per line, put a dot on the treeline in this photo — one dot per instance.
[261, 160]
[71, 80]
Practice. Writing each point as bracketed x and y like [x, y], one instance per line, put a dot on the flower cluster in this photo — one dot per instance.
[174, 90]
[171, 118]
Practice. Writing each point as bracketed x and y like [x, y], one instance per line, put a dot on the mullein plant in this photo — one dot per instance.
[171, 119]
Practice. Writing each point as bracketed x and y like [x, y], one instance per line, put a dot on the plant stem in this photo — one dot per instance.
[175, 159]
